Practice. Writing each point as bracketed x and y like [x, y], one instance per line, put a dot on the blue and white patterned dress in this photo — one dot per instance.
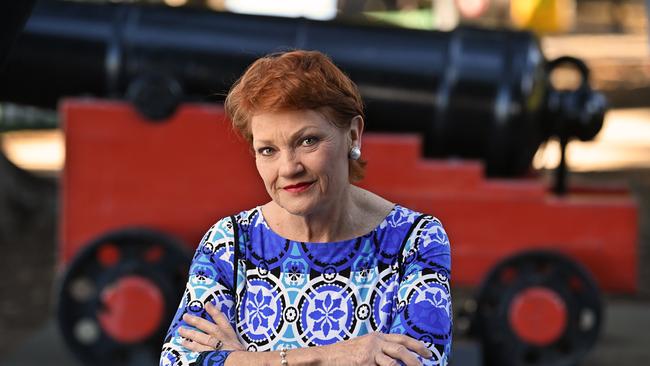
[281, 293]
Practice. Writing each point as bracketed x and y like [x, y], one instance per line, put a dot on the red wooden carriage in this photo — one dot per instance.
[138, 195]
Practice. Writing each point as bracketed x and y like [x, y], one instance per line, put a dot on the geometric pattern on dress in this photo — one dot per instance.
[394, 279]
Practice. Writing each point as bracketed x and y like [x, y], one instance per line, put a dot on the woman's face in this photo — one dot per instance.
[302, 159]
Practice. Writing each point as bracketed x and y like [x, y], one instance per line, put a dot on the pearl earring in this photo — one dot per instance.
[355, 153]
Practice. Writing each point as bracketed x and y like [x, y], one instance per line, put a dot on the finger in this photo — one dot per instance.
[202, 324]
[220, 319]
[410, 343]
[205, 342]
[383, 360]
[232, 346]
[196, 347]
[196, 336]
[400, 352]
[226, 328]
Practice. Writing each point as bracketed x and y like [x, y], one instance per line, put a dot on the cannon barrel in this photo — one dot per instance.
[470, 93]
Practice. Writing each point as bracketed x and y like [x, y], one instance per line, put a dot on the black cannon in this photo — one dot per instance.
[471, 93]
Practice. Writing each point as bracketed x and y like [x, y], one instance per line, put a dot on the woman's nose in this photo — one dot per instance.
[290, 165]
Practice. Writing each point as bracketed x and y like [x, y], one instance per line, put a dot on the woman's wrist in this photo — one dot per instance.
[308, 356]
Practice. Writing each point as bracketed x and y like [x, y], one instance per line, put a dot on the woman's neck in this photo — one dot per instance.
[355, 213]
[326, 223]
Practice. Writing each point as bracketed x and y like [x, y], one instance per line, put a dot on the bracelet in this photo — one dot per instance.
[283, 357]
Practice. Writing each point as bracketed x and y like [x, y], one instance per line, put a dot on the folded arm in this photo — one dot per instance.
[423, 306]
[210, 281]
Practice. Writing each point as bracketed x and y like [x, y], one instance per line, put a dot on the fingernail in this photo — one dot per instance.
[429, 353]
[209, 306]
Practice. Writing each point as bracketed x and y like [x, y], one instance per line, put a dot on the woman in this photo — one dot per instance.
[326, 272]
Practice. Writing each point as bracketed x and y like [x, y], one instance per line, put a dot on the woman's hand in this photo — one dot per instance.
[377, 349]
[211, 333]
[370, 349]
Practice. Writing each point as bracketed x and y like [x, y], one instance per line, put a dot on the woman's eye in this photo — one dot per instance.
[309, 141]
[265, 151]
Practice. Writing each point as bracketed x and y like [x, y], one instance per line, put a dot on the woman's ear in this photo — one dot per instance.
[356, 130]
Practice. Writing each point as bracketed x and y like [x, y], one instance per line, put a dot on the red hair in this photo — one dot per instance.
[295, 80]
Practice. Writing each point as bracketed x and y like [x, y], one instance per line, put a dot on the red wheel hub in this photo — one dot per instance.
[133, 309]
[538, 315]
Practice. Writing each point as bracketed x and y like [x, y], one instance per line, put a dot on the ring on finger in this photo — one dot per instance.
[216, 343]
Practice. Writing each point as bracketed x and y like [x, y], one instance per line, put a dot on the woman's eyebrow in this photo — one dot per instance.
[292, 137]
[300, 132]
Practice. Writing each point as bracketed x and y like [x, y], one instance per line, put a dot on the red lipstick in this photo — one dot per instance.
[299, 187]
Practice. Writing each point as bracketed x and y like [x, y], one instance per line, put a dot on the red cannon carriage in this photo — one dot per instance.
[138, 195]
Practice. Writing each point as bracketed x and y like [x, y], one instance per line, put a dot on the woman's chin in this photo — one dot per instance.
[297, 206]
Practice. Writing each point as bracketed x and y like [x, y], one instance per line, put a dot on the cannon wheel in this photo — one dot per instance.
[537, 308]
[118, 295]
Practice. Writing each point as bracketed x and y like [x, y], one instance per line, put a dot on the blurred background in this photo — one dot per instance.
[572, 90]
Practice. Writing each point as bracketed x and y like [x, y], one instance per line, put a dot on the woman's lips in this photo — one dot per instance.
[297, 188]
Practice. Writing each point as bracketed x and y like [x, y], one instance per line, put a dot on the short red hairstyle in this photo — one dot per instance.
[295, 80]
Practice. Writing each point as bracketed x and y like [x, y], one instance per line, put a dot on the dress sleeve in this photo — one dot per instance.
[210, 279]
[423, 306]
